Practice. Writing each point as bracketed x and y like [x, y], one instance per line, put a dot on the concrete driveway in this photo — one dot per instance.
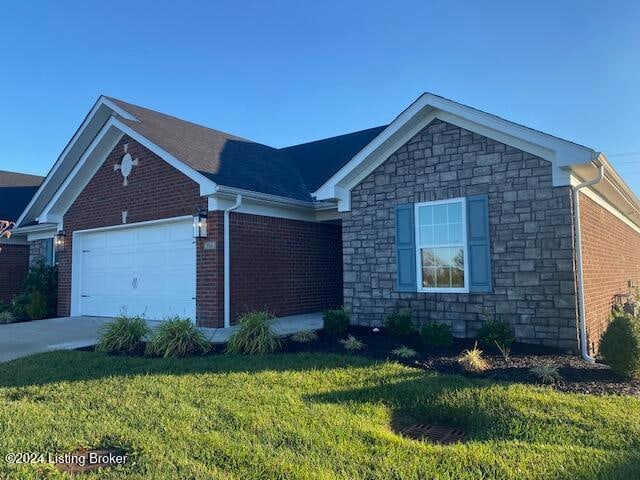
[25, 338]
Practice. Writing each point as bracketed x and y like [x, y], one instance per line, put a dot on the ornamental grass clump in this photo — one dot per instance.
[124, 335]
[404, 352]
[177, 337]
[473, 361]
[304, 336]
[546, 374]
[351, 343]
[255, 335]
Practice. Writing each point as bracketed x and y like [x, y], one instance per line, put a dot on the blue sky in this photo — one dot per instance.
[287, 72]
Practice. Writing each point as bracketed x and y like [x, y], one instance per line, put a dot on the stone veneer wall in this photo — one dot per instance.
[530, 226]
[37, 251]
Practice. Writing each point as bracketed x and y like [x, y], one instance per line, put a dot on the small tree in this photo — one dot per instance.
[5, 229]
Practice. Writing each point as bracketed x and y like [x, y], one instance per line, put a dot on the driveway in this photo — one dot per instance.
[22, 339]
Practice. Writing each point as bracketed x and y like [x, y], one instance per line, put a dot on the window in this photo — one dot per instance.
[49, 253]
[441, 241]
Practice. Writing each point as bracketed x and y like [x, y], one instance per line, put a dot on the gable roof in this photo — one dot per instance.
[16, 189]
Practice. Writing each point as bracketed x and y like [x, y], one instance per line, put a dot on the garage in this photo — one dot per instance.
[142, 269]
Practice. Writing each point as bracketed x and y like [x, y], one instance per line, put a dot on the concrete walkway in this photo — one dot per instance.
[68, 333]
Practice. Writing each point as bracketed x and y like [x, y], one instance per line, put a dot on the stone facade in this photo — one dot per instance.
[610, 260]
[38, 251]
[530, 228]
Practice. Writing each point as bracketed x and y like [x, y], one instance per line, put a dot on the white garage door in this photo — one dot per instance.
[148, 270]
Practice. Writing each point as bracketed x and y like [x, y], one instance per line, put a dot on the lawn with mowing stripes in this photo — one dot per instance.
[303, 416]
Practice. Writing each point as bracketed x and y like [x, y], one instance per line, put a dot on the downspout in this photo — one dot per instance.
[582, 321]
[227, 263]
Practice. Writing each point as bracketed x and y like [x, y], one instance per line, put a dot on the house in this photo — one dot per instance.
[447, 211]
[16, 190]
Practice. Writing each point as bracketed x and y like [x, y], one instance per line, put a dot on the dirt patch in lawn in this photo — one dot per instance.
[577, 375]
[85, 461]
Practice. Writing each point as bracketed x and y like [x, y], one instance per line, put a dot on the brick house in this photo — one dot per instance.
[16, 190]
[447, 210]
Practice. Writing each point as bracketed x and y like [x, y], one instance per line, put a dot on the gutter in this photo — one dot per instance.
[582, 322]
[227, 262]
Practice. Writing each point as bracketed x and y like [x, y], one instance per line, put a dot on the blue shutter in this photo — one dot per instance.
[478, 244]
[405, 248]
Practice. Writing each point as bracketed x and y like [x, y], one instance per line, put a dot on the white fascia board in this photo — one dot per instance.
[101, 104]
[429, 107]
[42, 235]
[207, 186]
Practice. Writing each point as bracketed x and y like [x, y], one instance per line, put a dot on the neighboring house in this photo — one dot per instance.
[16, 190]
[447, 211]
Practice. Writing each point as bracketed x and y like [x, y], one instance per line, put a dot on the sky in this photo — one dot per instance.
[286, 72]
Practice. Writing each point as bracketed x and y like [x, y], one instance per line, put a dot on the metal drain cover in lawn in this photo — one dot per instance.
[434, 433]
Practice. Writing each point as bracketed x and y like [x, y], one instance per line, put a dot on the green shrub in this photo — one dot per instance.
[351, 343]
[6, 317]
[495, 332]
[337, 321]
[18, 305]
[404, 352]
[177, 337]
[304, 336]
[436, 334]
[399, 323]
[123, 335]
[42, 279]
[620, 345]
[255, 335]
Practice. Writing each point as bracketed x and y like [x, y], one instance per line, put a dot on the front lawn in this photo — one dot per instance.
[304, 416]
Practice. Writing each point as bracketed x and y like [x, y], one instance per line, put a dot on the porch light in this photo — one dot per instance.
[59, 240]
[200, 224]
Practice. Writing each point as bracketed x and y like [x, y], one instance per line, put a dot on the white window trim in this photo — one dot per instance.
[465, 248]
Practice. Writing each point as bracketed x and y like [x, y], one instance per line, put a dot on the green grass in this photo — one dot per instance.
[306, 416]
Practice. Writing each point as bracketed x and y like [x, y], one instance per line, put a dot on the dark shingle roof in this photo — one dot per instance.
[318, 161]
[15, 179]
[13, 201]
[293, 172]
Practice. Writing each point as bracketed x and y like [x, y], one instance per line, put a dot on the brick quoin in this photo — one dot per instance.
[281, 283]
[611, 257]
[14, 266]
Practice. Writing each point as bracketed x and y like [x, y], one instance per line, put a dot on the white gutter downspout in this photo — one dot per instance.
[227, 263]
[582, 321]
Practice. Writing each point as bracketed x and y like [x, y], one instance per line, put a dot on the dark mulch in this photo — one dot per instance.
[577, 375]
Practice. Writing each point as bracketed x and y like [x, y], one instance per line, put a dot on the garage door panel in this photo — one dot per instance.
[146, 269]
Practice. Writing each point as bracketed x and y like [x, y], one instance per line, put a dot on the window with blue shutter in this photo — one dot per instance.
[405, 249]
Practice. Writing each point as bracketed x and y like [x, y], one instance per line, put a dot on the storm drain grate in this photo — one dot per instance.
[434, 433]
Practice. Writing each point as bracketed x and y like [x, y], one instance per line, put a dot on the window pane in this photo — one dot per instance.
[457, 255]
[443, 277]
[439, 214]
[425, 215]
[457, 277]
[441, 256]
[429, 277]
[455, 233]
[426, 235]
[440, 235]
[455, 212]
[428, 259]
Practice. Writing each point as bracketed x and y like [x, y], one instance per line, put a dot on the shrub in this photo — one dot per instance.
[7, 317]
[177, 337]
[304, 336]
[546, 374]
[495, 332]
[620, 345]
[399, 323]
[351, 343]
[255, 335]
[124, 334]
[18, 304]
[505, 351]
[337, 321]
[404, 352]
[42, 279]
[436, 334]
[472, 360]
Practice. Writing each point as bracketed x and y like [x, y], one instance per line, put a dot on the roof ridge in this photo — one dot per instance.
[332, 137]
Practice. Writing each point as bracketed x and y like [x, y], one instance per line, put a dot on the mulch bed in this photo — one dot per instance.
[577, 375]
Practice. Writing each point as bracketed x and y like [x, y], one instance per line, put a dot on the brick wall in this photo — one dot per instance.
[530, 227]
[610, 258]
[14, 261]
[284, 266]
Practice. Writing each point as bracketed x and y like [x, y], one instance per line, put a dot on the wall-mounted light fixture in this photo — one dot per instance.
[200, 224]
[59, 240]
